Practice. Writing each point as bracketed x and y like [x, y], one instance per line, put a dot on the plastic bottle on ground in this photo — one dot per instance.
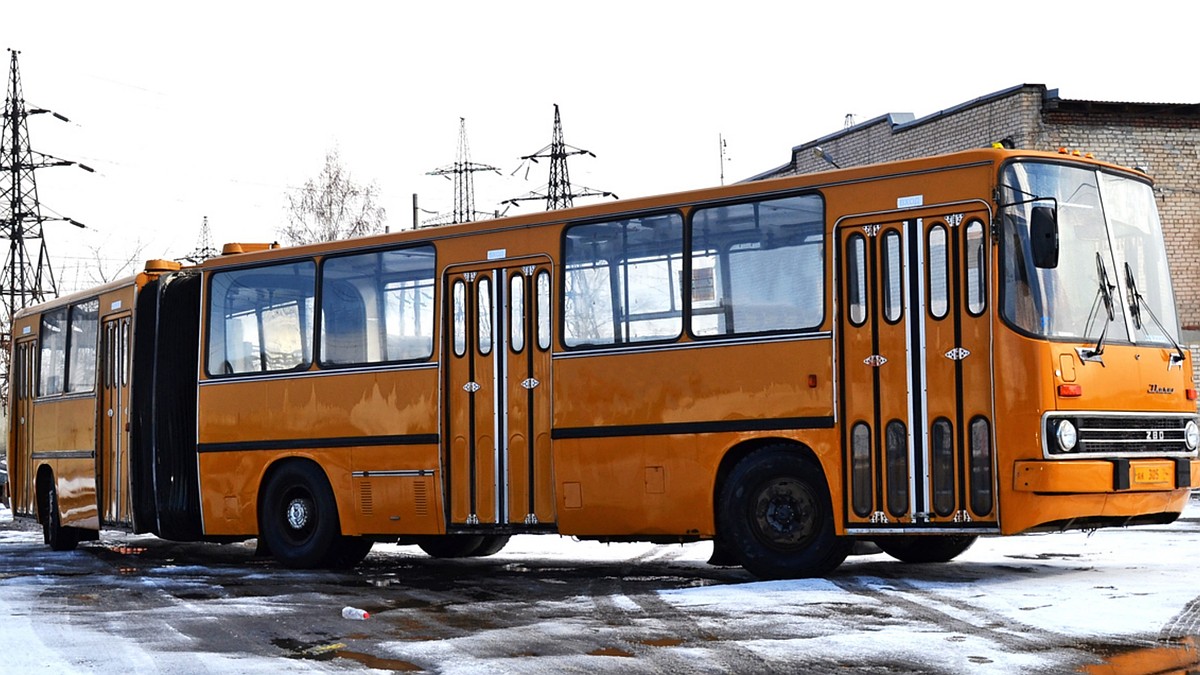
[355, 613]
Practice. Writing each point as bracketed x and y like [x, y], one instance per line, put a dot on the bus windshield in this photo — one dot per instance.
[1111, 253]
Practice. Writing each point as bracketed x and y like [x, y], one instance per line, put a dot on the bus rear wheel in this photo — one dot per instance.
[926, 549]
[775, 516]
[57, 537]
[298, 516]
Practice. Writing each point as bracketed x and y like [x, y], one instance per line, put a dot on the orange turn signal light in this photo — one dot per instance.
[1070, 390]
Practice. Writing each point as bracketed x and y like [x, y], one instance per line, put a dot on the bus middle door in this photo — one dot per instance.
[497, 395]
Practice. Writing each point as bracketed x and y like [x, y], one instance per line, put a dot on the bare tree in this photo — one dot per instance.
[104, 267]
[332, 206]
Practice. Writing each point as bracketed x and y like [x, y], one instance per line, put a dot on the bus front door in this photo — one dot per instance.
[113, 379]
[497, 395]
[915, 372]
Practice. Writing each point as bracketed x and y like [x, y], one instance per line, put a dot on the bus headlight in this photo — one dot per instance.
[1067, 436]
[1191, 435]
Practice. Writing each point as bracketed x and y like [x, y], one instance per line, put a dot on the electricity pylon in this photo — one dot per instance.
[204, 246]
[27, 279]
[558, 193]
[462, 173]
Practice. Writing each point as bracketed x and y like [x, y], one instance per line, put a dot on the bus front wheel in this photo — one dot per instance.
[298, 516]
[775, 516]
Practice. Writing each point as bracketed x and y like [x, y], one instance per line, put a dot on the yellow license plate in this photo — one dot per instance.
[1153, 474]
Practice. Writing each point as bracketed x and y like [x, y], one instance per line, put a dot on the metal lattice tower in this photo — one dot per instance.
[28, 277]
[558, 193]
[462, 173]
[204, 246]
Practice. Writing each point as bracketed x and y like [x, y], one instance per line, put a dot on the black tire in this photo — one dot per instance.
[298, 516]
[776, 517]
[926, 549]
[57, 537]
[347, 552]
[492, 544]
[452, 545]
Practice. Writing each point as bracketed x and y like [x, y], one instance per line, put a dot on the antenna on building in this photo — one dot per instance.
[27, 280]
[462, 173]
[558, 193]
[204, 246]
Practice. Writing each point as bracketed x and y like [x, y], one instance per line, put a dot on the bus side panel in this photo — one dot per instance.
[380, 426]
[65, 438]
[619, 469]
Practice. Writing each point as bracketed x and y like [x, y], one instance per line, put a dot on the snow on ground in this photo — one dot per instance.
[549, 604]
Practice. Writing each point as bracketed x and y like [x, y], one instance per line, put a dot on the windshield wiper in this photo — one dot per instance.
[1136, 303]
[1104, 296]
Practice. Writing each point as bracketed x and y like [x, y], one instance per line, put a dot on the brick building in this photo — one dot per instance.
[1162, 139]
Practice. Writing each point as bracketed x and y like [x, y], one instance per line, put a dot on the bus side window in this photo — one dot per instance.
[261, 318]
[939, 302]
[976, 267]
[516, 319]
[621, 281]
[856, 278]
[485, 315]
[893, 269]
[52, 366]
[81, 362]
[543, 310]
[460, 318]
[758, 267]
[377, 306]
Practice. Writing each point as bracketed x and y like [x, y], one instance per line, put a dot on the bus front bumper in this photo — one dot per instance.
[1106, 475]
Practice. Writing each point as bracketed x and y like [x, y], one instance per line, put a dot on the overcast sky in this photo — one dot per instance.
[217, 109]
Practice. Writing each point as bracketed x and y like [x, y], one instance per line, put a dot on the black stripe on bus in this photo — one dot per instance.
[781, 424]
[315, 443]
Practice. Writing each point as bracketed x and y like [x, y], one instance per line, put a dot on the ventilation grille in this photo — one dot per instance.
[366, 498]
[421, 497]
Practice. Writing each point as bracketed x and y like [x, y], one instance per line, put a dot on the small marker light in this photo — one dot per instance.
[1070, 390]
[1062, 151]
[1191, 394]
[812, 381]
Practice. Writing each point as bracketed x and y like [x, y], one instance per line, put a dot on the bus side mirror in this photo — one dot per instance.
[1043, 237]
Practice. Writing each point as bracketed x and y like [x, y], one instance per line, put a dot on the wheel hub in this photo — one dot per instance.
[786, 513]
[299, 513]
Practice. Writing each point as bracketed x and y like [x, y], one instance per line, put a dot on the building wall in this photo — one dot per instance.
[1161, 139]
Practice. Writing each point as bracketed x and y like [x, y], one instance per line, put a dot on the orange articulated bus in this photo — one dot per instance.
[914, 353]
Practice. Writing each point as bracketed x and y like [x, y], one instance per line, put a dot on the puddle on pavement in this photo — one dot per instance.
[1175, 656]
[661, 642]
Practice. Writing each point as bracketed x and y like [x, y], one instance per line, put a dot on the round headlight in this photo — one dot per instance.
[1067, 436]
[1191, 435]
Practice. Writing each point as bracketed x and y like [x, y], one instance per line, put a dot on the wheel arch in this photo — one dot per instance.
[44, 479]
[744, 449]
[275, 465]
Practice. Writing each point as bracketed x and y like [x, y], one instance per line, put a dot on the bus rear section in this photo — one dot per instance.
[78, 406]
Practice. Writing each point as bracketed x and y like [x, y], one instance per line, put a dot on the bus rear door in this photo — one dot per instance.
[23, 390]
[114, 498]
